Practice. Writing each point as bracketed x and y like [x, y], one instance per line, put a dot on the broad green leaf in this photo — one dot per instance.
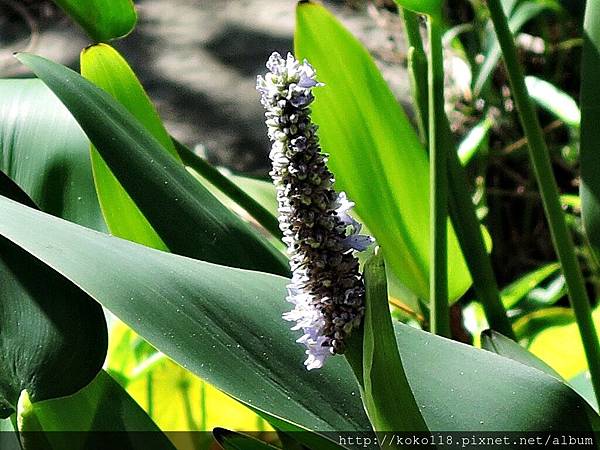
[590, 131]
[522, 14]
[106, 68]
[503, 346]
[582, 383]
[189, 220]
[192, 311]
[80, 421]
[43, 149]
[52, 335]
[381, 393]
[375, 153]
[230, 440]
[103, 20]
[553, 100]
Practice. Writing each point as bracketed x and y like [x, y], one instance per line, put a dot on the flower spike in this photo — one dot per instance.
[327, 288]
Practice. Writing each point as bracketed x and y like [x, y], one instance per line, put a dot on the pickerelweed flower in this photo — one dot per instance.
[326, 288]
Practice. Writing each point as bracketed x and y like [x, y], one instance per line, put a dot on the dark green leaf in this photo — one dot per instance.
[381, 393]
[45, 152]
[53, 337]
[102, 19]
[189, 220]
[106, 68]
[225, 325]
[230, 440]
[503, 346]
[79, 422]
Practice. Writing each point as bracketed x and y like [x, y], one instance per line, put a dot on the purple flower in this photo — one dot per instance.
[326, 289]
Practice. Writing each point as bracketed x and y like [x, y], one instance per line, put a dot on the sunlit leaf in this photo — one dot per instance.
[375, 153]
[192, 311]
[102, 19]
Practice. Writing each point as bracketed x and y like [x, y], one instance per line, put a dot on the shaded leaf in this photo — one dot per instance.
[192, 311]
[230, 440]
[189, 220]
[43, 149]
[52, 335]
[501, 345]
[81, 421]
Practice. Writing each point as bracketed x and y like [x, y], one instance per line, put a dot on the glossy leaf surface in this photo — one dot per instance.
[191, 311]
[189, 219]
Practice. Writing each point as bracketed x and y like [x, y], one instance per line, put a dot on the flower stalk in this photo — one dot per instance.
[327, 289]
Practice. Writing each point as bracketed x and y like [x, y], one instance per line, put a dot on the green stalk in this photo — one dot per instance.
[542, 166]
[417, 69]
[462, 211]
[438, 280]
[225, 185]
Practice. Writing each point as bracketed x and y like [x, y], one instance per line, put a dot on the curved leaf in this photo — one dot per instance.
[53, 336]
[225, 325]
[376, 155]
[81, 421]
[189, 219]
[43, 149]
[107, 69]
[102, 19]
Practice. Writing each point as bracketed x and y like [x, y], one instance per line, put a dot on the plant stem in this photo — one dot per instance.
[417, 69]
[462, 211]
[438, 280]
[542, 166]
[225, 185]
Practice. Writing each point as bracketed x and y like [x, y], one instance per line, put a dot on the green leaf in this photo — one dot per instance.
[590, 131]
[237, 189]
[431, 7]
[554, 100]
[559, 343]
[582, 383]
[375, 153]
[103, 20]
[225, 325]
[43, 149]
[530, 325]
[517, 290]
[189, 220]
[80, 421]
[106, 68]
[230, 440]
[53, 336]
[503, 346]
[381, 393]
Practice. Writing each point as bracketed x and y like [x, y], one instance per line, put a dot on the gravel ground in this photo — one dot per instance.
[199, 59]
